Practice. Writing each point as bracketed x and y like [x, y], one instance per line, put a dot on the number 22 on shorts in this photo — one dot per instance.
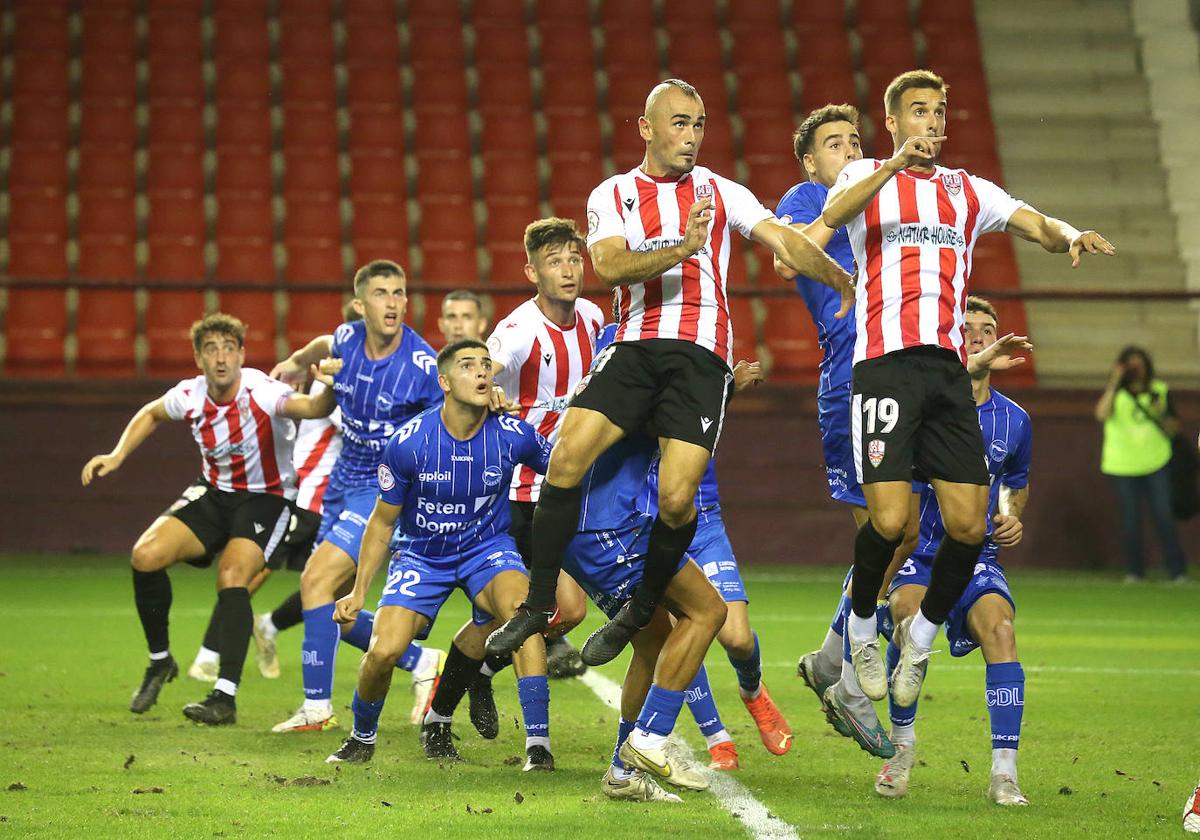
[402, 581]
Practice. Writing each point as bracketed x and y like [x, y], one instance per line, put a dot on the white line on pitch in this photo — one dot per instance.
[1049, 669]
[729, 793]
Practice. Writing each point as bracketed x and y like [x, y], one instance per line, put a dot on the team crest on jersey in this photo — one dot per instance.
[593, 222]
[384, 401]
[952, 182]
[998, 450]
[243, 403]
[875, 450]
[492, 476]
[386, 480]
[704, 191]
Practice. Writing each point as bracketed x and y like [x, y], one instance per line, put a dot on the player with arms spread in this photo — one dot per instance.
[443, 477]
[659, 235]
[912, 226]
[238, 508]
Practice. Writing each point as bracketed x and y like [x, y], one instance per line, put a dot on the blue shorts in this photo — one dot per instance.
[608, 564]
[345, 517]
[714, 555]
[833, 419]
[422, 584]
[988, 577]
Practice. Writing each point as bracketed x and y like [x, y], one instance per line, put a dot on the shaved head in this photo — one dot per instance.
[673, 128]
[659, 94]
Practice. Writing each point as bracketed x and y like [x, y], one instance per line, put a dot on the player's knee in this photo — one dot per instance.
[738, 642]
[567, 462]
[967, 531]
[315, 585]
[148, 556]
[712, 613]
[1000, 640]
[570, 616]
[383, 653]
[676, 505]
[890, 524]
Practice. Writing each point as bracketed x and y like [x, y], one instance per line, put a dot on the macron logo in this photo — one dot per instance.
[705, 423]
[424, 361]
[258, 529]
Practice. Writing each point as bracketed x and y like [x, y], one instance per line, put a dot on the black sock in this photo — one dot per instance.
[872, 554]
[953, 565]
[152, 594]
[555, 524]
[212, 636]
[457, 675]
[667, 546]
[237, 622]
[289, 613]
[497, 663]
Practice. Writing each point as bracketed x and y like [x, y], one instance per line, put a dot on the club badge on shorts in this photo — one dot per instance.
[875, 450]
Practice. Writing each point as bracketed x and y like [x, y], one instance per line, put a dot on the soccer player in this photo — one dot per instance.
[462, 317]
[443, 476]
[660, 236]
[912, 226]
[388, 376]
[237, 510]
[983, 615]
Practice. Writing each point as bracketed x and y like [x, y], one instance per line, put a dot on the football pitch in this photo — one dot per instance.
[1108, 747]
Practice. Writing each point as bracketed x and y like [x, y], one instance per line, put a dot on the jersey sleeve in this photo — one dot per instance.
[341, 338]
[604, 218]
[533, 450]
[175, 401]
[1016, 467]
[509, 348]
[396, 467]
[802, 204]
[995, 205]
[424, 362]
[742, 209]
[270, 395]
[853, 172]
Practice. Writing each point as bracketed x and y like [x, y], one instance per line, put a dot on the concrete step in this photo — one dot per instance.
[1068, 56]
[1122, 98]
[1065, 16]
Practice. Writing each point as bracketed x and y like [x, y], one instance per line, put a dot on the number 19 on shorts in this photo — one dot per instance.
[872, 417]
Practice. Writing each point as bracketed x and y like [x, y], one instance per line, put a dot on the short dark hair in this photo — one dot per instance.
[551, 231]
[221, 324]
[1128, 353]
[911, 80]
[464, 294]
[978, 304]
[375, 268]
[806, 134]
[446, 355]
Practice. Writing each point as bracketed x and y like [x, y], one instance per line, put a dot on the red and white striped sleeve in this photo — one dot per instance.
[178, 400]
[604, 212]
[995, 205]
[742, 210]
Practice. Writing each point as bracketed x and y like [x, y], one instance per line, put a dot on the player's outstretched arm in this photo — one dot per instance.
[816, 230]
[312, 406]
[999, 354]
[140, 426]
[371, 555]
[616, 265]
[1057, 236]
[805, 257]
[847, 199]
[294, 368]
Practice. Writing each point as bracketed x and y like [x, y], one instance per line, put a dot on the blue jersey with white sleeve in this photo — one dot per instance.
[454, 493]
[804, 203]
[377, 397]
[1008, 441]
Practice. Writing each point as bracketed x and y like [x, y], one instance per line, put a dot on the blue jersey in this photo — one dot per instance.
[1008, 439]
[377, 397]
[708, 501]
[454, 493]
[804, 203]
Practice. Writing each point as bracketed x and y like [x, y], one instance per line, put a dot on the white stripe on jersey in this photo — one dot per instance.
[318, 443]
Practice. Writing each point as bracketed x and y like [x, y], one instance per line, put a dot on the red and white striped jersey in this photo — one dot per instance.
[689, 301]
[542, 365]
[913, 246]
[245, 444]
[318, 443]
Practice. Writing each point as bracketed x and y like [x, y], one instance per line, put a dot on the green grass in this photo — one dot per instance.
[1111, 714]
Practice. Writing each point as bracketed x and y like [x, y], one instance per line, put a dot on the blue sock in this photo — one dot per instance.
[846, 636]
[1006, 702]
[749, 671]
[366, 717]
[701, 704]
[534, 693]
[660, 711]
[317, 652]
[624, 727]
[900, 715]
[359, 634]
[409, 659]
[838, 625]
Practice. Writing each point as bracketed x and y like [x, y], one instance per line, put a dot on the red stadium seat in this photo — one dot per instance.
[310, 314]
[108, 214]
[108, 78]
[631, 14]
[505, 86]
[745, 332]
[376, 128]
[510, 132]
[509, 179]
[242, 36]
[572, 131]
[39, 120]
[106, 258]
[390, 248]
[753, 95]
[35, 332]
[37, 256]
[316, 218]
[177, 123]
[447, 175]
[309, 81]
[771, 176]
[626, 97]
[436, 91]
[373, 82]
[436, 42]
[304, 37]
[566, 45]
[571, 182]
[505, 224]
[824, 88]
[884, 13]
[560, 12]
[374, 172]
[257, 311]
[245, 260]
[434, 11]
[244, 126]
[238, 172]
[242, 78]
[314, 173]
[170, 314]
[176, 258]
[430, 306]
[444, 222]
[176, 79]
[500, 41]
[108, 34]
[105, 122]
[689, 44]
[768, 132]
[950, 12]
[175, 168]
[792, 339]
[628, 147]
[449, 264]
[37, 167]
[311, 129]
[759, 52]
[314, 261]
[39, 74]
[373, 35]
[632, 51]
[43, 30]
[380, 219]
[820, 49]
[244, 215]
[105, 331]
[175, 34]
[572, 87]
[176, 214]
[946, 44]
[738, 274]
[37, 211]
[442, 133]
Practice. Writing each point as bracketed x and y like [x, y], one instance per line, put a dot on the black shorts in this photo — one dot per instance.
[913, 413]
[521, 528]
[297, 544]
[662, 386]
[217, 516]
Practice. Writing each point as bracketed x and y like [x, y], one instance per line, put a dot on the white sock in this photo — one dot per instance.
[429, 657]
[486, 671]
[325, 706]
[226, 687]
[829, 658]
[267, 627]
[862, 629]
[646, 740]
[537, 741]
[621, 773]
[906, 734]
[433, 717]
[922, 631]
[750, 695]
[205, 655]
[717, 738]
[1004, 763]
[366, 739]
[159, 655]
[849, 682]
